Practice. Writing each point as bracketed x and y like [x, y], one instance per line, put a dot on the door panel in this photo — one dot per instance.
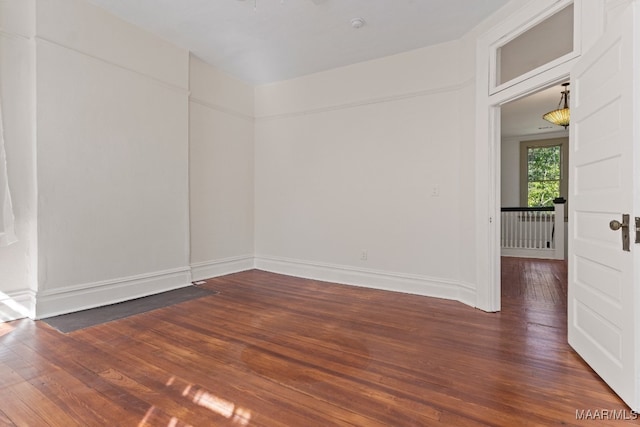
[603, 287]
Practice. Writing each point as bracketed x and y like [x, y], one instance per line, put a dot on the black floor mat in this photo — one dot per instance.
[95, 316]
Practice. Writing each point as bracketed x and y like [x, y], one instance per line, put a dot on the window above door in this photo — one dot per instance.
[534, 47]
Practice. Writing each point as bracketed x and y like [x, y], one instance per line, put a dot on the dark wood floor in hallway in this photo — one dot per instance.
[273, 350]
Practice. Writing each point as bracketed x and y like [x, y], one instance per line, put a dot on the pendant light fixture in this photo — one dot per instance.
[560, 116]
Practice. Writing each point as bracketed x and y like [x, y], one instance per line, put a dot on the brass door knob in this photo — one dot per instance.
[616, 225]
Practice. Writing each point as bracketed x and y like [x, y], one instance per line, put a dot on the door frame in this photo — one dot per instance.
[488, 132]
[491, 300]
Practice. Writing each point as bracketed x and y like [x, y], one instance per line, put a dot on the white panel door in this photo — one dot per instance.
[604, 294]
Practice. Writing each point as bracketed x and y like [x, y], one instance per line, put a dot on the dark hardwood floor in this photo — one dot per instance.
[272, 350]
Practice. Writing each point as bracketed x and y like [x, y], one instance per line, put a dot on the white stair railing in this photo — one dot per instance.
[533, 232]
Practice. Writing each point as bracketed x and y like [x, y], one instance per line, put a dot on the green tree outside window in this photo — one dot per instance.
[543, 175]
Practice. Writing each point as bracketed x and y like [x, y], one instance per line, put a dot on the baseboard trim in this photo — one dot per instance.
[467, 294]
[82, 297]
[54, 302]
[528, 253]
[220, 267]
[16, 305]
[376, 279]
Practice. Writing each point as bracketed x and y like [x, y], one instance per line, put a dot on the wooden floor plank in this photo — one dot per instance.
[17, 412]
[230, 377]
[273, 350]
[80, 402]
[40, 406]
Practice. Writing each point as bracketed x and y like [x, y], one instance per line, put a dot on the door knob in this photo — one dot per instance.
[616, 225]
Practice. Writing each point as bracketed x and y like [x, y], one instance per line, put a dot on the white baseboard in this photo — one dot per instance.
[67, 300]
[467, 294]
[16, 305]
[529, 253]
[215, 268]
[389, 281]
[81, 297]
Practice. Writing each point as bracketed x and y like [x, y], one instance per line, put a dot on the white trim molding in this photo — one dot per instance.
[15, 36]
[157, 80]
[220, 267]
[375, 279]
[221, 109]
[81, 297]
[371, 101]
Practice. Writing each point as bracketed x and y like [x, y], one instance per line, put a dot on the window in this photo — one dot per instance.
[535, 45]
[543, 166]
[547, 41]
[543, 175]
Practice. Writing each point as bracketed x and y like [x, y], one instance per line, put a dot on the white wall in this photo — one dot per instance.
[18, 279]
[510, 172]
[112, 142]
[346, 162]
[221, 172]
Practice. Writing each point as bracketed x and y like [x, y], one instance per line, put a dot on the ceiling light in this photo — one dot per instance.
[560, 116]
[357, 23]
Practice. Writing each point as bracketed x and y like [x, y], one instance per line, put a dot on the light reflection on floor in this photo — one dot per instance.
[223, 407]
[5, 328]
[10, 309]
[199, 396]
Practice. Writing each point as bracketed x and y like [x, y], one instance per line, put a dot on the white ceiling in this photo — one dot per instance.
[262, 41]
[283, 39]
[524, 116]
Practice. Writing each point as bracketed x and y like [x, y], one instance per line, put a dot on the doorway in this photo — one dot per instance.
[604, 143]
[514, 73]
[532, 173]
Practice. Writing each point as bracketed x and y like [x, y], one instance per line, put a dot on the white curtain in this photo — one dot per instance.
[7, 230]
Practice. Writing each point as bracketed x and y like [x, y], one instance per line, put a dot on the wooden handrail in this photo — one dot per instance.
[527, 209]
